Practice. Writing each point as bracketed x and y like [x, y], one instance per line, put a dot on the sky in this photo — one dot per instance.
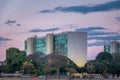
[20, 19]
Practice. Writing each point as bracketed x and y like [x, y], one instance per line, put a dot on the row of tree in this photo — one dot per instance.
[52, 64]
[37, 63]
[104, 64]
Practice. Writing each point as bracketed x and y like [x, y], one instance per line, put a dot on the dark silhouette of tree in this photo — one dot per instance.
[104, 56]
[89, 66]
[55, 61]
[37, 59]
[115, 66]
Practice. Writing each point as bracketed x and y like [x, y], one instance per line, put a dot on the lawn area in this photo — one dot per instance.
[50, 79]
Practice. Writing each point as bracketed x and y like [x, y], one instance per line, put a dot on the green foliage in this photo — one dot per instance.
[71, 64]
[37, 60]
[27, 67]
[115, 66]
[104, 56]
[104, 64]
[36, 71]
[15, 59]
[96, 66]
[89, 67]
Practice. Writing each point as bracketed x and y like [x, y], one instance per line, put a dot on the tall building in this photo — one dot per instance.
[29, 45]
[112, 47]
[70, 44]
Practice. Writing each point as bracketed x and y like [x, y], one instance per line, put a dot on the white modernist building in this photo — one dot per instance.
[70, 44]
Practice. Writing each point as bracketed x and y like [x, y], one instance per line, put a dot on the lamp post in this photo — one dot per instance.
[68, 67]
[29, 66]
[17, 69]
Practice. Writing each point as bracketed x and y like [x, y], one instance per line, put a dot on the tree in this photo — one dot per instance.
[96, 67]
[71, 71]
[15, 59]
[56, 61]
[104, 56]
[89, 67]
[37, 59]
[115, 66]
[3, 67]
[27, 67]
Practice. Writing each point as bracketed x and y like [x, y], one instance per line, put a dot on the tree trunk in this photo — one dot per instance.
[46, 76]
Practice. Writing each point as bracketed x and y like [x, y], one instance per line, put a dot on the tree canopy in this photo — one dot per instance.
[104, 56]
[15, 59]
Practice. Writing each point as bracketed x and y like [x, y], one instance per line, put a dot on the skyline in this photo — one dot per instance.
[20, 19]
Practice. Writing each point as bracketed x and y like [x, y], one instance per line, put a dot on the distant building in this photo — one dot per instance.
[70, 44]
[112, 47]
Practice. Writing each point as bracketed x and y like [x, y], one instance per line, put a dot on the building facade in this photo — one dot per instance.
[70, 44]
[112, 47]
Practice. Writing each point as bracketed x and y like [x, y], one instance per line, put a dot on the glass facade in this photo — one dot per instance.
[119, 47]
[61, 44]
[107, 48]
[26, 46]
[40, 45]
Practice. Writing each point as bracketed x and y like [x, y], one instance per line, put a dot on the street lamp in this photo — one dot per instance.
[29, 66]
[68, 67]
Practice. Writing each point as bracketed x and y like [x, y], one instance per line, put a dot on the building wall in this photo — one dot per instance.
[40, 45]
[70, 44]
[30, 46]
[107, 48]
[61, 44]
[77, 47]
[113, 48]
[49, 43]
[25, 46]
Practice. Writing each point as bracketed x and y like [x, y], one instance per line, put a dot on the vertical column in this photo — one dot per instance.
[30, 45]
[49, 43]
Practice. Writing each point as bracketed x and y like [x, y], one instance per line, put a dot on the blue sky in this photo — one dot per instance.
[20, 19]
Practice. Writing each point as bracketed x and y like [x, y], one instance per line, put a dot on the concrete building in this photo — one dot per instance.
[70, 44]
[112, 47]
[29, 45]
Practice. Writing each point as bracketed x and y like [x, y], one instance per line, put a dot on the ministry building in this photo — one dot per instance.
[70, 44]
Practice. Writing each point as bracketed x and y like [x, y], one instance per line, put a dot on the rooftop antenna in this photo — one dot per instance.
[53, 29]
[118, 35]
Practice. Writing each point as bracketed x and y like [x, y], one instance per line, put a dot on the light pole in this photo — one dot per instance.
[68, 67]
[17, 69]
[29, 66]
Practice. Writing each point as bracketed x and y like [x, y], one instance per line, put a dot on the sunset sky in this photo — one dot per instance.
[20, 19]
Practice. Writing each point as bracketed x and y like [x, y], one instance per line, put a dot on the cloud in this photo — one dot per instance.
[43, 30]
[93, 31]
[96, 33]
[10, 22]
[47, 11]
[18, 25]
[89, 29]
[117, 18]
[99, 34]
[3, 40]
[113, 5]
[105, 38]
